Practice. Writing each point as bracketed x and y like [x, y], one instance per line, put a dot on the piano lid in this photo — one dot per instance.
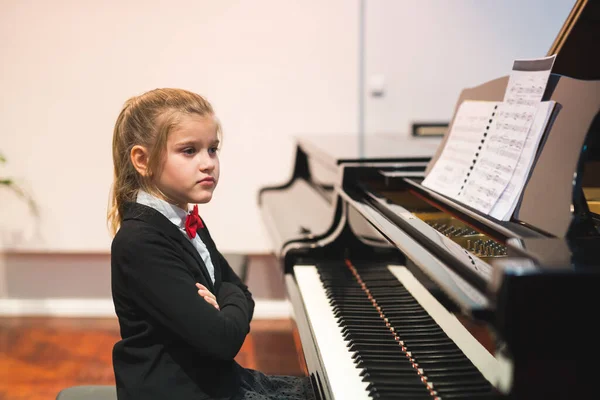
[576, 45]
[339, 149]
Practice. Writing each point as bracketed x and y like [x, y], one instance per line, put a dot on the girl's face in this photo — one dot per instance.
[190, 170]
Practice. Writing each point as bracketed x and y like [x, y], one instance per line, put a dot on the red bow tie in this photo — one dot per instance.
[193, 222]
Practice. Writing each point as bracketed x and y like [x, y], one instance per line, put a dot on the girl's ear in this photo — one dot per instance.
[139, 159]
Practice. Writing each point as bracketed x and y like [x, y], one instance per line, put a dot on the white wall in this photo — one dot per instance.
[427, 51]
[271, 68]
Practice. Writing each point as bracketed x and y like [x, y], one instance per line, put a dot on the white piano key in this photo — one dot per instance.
[494, 370]
[343, 376]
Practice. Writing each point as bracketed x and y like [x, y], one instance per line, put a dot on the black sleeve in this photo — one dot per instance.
[229, 275]
[161, 284]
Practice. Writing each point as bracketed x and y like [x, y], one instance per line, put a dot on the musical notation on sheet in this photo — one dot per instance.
[527, 81]
[464, 142]
[508, 200]
[491, 173]
[492, 145]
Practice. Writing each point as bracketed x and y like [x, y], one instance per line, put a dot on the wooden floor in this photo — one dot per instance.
[41, 356]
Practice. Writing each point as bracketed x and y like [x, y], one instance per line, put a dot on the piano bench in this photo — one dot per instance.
[239, 264]
[88, 392]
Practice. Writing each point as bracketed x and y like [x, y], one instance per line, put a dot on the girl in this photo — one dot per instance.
[183, 312]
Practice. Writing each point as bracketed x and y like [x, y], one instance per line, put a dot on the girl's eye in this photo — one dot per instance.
[213, 150]
[189, 151]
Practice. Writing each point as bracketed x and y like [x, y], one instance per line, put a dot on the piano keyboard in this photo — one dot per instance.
[380, 337]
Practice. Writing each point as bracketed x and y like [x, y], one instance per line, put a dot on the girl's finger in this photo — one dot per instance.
[207, 296]
[204, 292]
[211, 301]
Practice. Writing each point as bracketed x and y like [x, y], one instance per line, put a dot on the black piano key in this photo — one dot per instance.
[403, 381]
[353, 317]
[472, 386]
[389, 339]
[373, 354]
[412, 319]
[366, 347]
[432, 359]
[387, 366]
[409, 323]
[339, 312]
[351, 302]
[411, 342]
[376, 347]
[345, 295]
[385, 283]
[459, 369]
[396, 396]
[448, 363]
[369, 374]
[365, 328]
[373, 319]
[369, 347]
[373, 327]
[456, 377]
[392, 299]
[369, 335]
[373, 342]
[373, 367]
[451, 353]
[401, 311]
[400, 359]
[357, 314]
[399, 356]
[456, 389]
[391, 295]
[471, 396]
[384, 363]
[439, 346]
[400, 390]
[419, 332]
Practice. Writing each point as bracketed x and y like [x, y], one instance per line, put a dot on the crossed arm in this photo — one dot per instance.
[229, 276]
[161, 284]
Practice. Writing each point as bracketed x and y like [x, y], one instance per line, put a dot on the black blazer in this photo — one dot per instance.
[174, 344]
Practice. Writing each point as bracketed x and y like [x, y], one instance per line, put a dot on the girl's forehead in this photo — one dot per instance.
[192, 126]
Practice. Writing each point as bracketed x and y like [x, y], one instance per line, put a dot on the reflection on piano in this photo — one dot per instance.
[400, 292]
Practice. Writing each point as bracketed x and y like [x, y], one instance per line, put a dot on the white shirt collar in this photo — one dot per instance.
[173, 213]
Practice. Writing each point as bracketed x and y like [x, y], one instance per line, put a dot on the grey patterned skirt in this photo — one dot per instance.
[258, 386]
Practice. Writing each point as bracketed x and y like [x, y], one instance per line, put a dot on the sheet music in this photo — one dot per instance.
[464, 141]
[487, 140]
[527, 81]
[491, 173]
[507, 202]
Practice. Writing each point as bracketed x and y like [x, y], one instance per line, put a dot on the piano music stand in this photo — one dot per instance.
[554, 184]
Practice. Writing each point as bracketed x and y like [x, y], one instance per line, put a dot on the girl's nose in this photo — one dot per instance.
[207, 162]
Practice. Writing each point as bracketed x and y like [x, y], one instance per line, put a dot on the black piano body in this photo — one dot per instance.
[400, 292]
[524, 289]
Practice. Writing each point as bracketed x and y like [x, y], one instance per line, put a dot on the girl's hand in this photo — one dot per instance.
[208, 296]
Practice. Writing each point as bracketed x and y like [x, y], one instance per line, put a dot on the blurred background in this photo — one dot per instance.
[272, 70]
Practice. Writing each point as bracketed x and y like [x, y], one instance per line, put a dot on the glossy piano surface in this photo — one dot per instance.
[400, 292]
[317, 171]
[476, 271]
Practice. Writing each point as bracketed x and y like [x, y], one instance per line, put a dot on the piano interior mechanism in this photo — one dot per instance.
[401, 292]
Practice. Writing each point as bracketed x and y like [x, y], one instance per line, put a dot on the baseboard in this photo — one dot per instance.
[99, 308]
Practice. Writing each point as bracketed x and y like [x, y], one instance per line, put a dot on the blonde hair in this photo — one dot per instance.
[146, 120]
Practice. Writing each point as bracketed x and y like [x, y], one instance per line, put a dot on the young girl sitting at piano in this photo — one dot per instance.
[183, 312]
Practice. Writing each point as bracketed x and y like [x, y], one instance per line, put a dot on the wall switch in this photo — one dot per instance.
[376, 85]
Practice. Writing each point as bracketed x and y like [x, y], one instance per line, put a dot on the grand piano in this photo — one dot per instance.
[401, 292]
